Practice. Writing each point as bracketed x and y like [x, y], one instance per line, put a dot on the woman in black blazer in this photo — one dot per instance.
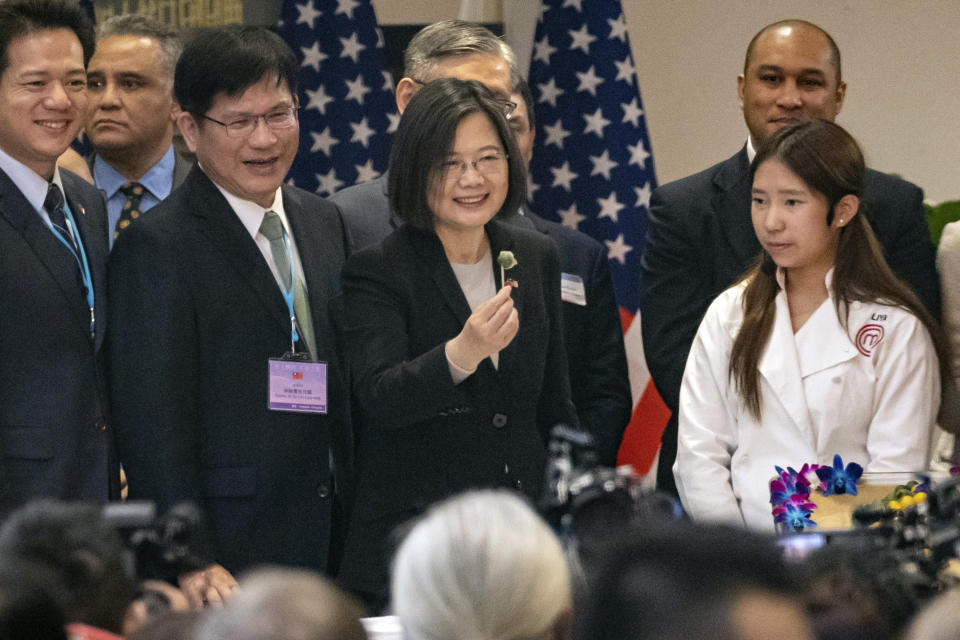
[458, 377]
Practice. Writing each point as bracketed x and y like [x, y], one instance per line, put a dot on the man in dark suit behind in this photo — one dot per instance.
[206, 289]
[55, 440]
[592, 334]
[130, 122]
[701, 240]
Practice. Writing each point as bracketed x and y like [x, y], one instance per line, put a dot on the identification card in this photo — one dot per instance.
[572, 289]
[298, 386]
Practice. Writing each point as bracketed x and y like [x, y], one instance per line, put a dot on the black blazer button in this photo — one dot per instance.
[323, 491]
[499, 420]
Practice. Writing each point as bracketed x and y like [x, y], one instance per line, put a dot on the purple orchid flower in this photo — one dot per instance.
[838, 479]
[793, 517]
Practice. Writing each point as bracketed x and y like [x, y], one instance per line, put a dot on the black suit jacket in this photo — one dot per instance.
[593, 337]
[54, 436]
[700, 241]
[196, 315]
[423, 437]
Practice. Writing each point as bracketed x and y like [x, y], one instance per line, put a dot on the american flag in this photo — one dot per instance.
[347, 108]
[592, 169]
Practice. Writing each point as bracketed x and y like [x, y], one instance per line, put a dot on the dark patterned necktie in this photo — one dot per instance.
[53, 204]
[131, 208]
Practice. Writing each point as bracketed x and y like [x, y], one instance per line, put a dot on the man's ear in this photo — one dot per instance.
[841, 94]
[406, 88]
[189, 129]
[740, 83]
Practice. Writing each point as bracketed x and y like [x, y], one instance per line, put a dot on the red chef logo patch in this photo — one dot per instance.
[869, 336]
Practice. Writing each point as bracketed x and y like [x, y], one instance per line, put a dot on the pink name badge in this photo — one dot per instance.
[298, 386]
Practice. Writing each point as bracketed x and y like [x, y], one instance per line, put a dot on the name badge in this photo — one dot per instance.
[297, 386]
[572, 289]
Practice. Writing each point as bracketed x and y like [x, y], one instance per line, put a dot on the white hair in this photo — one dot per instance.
[285, 604]
[480, 566]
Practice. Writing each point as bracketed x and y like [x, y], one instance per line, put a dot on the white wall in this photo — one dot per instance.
[901, 61]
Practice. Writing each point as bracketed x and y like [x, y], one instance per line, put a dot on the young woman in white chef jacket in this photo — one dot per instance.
[819, 350]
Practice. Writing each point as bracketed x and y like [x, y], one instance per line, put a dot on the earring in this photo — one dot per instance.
[841, 220]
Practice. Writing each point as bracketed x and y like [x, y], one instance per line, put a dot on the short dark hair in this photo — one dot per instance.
[29, 606]
[229, 60]
[23, 17]
[668, 581]
[85, 553]
[793, 22]
[425, 137]
[133, 24]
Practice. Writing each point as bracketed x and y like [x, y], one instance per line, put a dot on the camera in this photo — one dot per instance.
[157, 548]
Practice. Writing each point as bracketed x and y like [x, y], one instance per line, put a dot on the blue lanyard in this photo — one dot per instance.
[73, 246]
[288, 294]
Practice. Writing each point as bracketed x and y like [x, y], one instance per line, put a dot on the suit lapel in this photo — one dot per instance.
[226, 233]
[731, 202]
[780, 366]
[94, 235]
[427, 245]
[49, 251]
[319, 254]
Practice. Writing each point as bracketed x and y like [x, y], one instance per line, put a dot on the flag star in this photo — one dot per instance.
[352, 47]
[643, 195]
[595, 123]
[312, 57]
[625, 70]
[555, 134]
[361, 132]
[602, 164]
[589, 81]
[308, 14]
[571, 217]
[323, 141]
[328, 182]
[542, 50]
[610, 207]
[581, 39]
[356, 89]
[618, 249]
[618, 28]
[562, 177]
[631, 113]
[638, 155]
[380, 41]
[366, 172]
[318, 99]
[572, 3]
[387, 81]
[346, 7]
[549, 91]
[394, 119]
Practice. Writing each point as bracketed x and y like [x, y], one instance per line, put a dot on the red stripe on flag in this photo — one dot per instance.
[641, 440]
[625, 319]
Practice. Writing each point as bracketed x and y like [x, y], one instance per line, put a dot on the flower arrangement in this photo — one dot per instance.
[790, 491]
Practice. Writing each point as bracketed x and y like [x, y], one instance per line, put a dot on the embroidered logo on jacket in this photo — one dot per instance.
[869, 336]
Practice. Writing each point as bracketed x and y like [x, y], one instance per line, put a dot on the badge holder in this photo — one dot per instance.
[296, 383]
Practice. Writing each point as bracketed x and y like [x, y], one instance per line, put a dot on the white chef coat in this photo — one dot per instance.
[869, 392]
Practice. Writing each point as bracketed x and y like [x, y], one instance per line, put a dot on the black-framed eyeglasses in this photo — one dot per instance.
[245, 125]
[509, 106]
